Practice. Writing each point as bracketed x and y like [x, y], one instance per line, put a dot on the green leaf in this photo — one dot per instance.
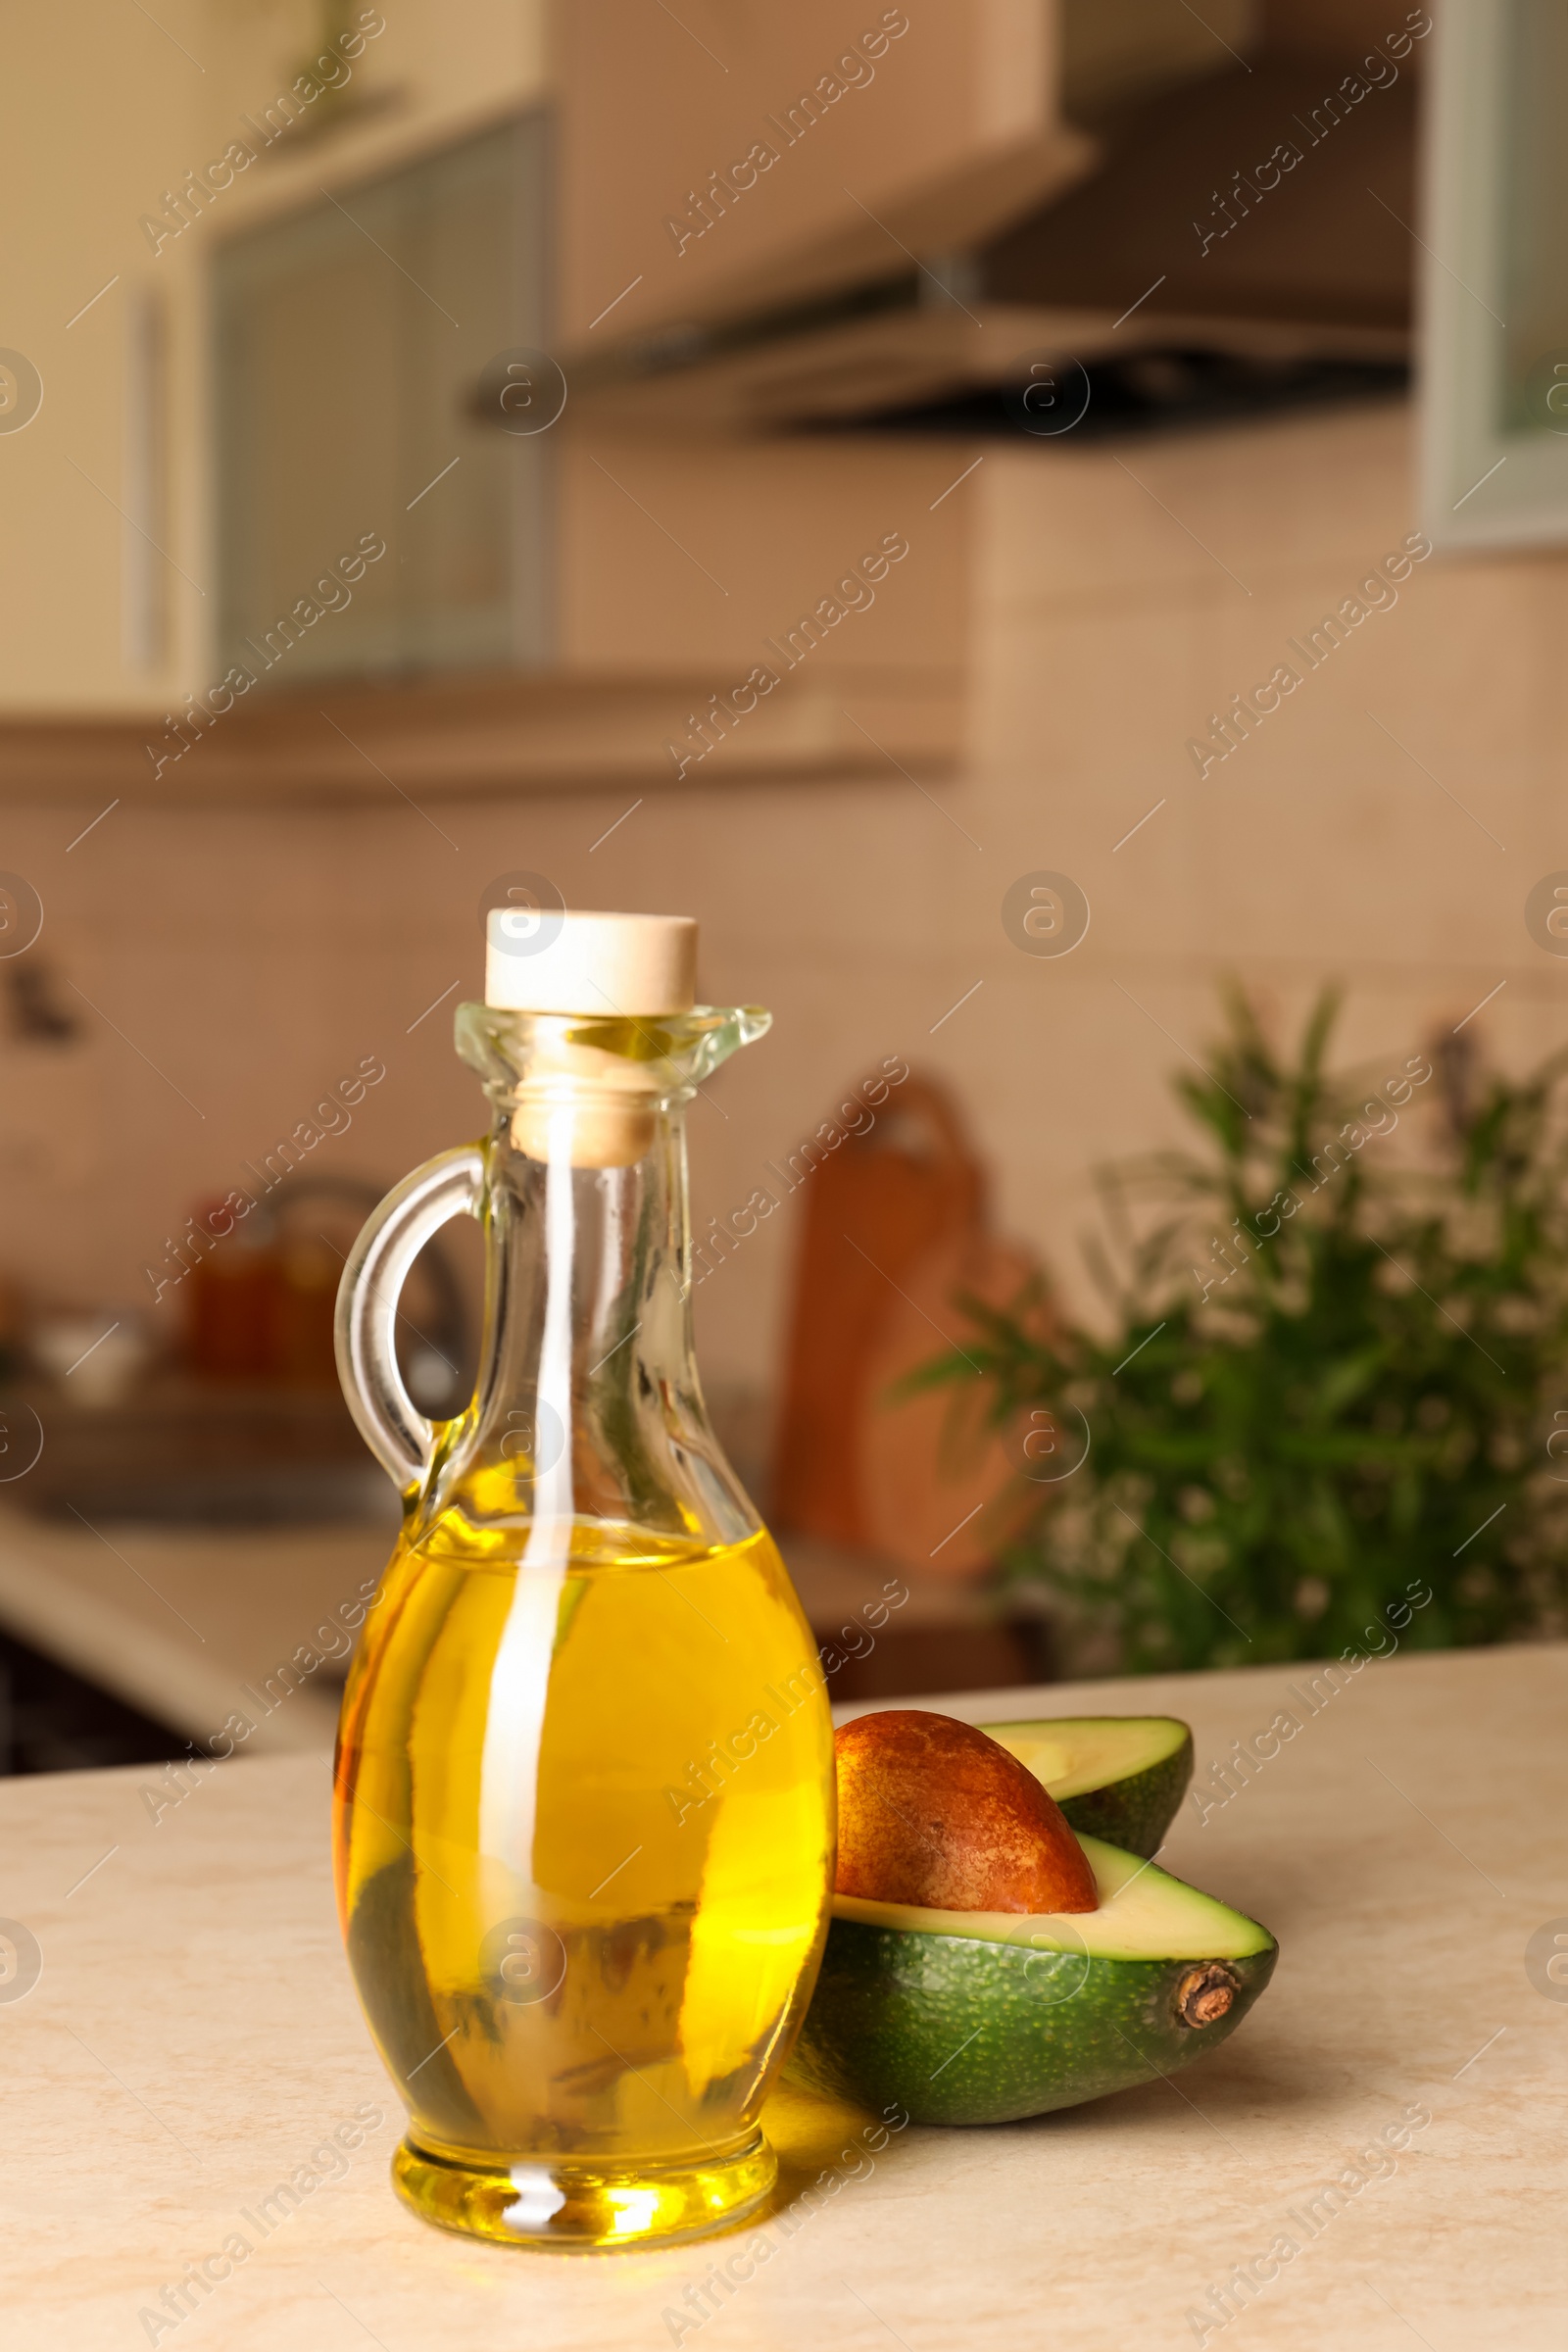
[1331, 1425]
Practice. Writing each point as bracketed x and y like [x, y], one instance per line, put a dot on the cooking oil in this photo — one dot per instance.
[585, 1790]
[583, 1836]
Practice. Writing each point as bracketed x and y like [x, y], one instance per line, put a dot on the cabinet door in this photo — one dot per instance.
[731, 156]
[1496, 337]
[353, 339]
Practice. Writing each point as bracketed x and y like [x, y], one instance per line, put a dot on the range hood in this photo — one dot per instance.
[1231, 229]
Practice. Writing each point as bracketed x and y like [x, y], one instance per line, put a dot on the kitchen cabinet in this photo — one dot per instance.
[1495, 359]
[370, 519]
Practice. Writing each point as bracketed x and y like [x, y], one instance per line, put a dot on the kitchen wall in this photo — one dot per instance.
[238, 963]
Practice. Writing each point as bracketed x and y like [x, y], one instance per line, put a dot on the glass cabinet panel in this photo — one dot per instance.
[1496, 276]
[353, 340]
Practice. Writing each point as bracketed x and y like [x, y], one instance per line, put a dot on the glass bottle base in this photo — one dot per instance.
[578, 2206]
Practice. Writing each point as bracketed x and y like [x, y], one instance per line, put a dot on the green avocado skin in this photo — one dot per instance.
[959, 2031]
[1136, 1813]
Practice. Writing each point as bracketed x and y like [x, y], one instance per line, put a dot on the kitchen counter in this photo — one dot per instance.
[191, 1625]
[195, 1548]
[193, 2040]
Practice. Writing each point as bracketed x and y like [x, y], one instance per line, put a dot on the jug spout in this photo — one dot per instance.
[589, 1090]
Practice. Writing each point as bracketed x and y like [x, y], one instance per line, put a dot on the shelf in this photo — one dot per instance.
[496, 735]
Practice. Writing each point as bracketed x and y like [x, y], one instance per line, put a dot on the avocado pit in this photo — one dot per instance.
[933, 1812]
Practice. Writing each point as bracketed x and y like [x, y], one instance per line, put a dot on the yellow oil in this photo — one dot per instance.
[584, 1848]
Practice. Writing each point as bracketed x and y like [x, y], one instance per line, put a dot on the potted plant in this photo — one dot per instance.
[1329, 1376]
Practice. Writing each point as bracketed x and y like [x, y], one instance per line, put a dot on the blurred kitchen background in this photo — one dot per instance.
[847, 473]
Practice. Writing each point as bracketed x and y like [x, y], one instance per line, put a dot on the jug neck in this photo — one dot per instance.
[588, 1409]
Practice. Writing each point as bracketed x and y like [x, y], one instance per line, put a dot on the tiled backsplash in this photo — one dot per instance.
[230, 967]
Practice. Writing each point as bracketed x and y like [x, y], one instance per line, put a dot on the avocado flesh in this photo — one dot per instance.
[981, 2017]
[1144, 1914]
[1117, 1777]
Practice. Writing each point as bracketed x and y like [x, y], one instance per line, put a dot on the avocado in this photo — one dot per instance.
[1117, 1776]
[982, 2017]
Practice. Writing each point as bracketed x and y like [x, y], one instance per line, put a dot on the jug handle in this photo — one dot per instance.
[389, 1421]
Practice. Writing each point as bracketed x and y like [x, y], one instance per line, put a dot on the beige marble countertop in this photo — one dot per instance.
[192, 2039]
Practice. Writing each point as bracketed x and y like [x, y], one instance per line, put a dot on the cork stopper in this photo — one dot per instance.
[595, 965]
[590, 1106]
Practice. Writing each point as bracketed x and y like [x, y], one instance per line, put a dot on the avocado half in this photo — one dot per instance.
[983, 2017]
[1117, 1777]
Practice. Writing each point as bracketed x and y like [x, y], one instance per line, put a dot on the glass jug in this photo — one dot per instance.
[583, 1815]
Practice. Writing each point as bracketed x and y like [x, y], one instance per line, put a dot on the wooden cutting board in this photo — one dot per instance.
[944, 1488]
[895, 1227]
